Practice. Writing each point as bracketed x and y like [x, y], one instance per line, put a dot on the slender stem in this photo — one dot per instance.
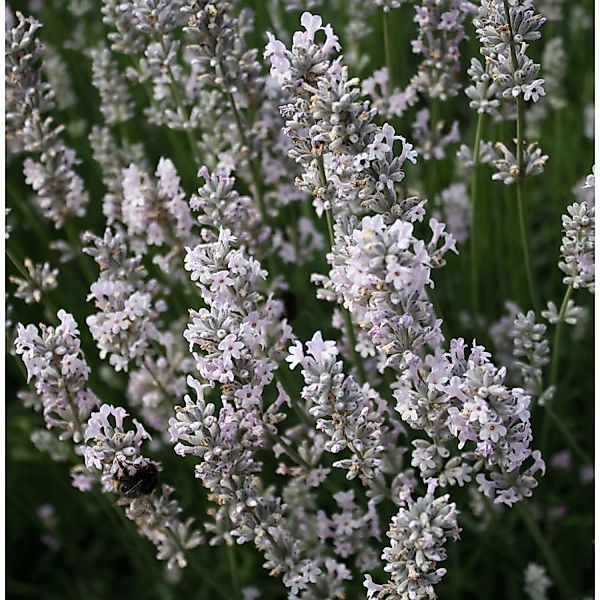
[329, 219]
[174, 85]
[474, 218]
[356, 359]
[233, 570]
[525, 242]
[566, 433]
[254, 170]
[550, 412]
[24, 207]
[521, 164]
[168, 397]
[558, 335]
[545, 548]
[81, 258]
[388, 51]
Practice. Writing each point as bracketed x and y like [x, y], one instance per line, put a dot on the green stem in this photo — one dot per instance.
[546, 550]
[47, 303]
[474, 220]
[550, 412]
[24, 207]
[356, 359]
[81, 258]
[558, 335]
[174, 85]
[566, 433]
[168, 397]
[254, 170]
[521, 164]
[525, 242]
[388, 51]
[233, 570]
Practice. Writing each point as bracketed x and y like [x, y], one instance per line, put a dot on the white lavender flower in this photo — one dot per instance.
[54, 360]
[463, 397]
[555, 63]
[483, 90]
[40, 280]
[531, 350]
[504, 30]
[572, 316]
[507, 165]
[116, 104]
[389, 103]
[351, 416]
[349, 528]
[220, 206]
[60, 191]
[241, 334]
[537, 582]
[155, 213]
[487, 155]
[381, 273]
[418, 534]
[226, 445]
[441, 30]
[59, 78]
[125, 324]
[432, 142]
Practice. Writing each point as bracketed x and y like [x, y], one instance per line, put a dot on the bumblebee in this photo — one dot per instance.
[135, 481]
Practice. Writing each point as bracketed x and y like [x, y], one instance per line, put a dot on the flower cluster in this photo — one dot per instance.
[125, 324]
[220, 206]
[60, 191]
[530, 348]
[578, 244]
[205, 163]
[347, 159]
[461, 395]
[417, 535]
[155, 213]
[226, 444]
[116, 453]
[238, 339]
[507, 164]
[381, 273]
[504, 30]
[390, 103]
[115, 100]
[537, 582]
[351, 416]
[54, 360]
[38, 280]
[441, 30]
[456, 206]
